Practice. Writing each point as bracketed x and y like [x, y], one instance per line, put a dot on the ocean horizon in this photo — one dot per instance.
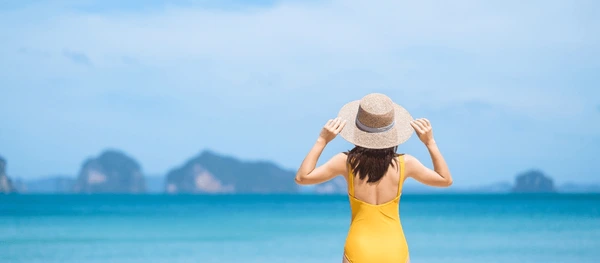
[441, 227]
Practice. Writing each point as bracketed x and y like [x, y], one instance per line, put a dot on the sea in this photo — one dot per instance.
[440, 228]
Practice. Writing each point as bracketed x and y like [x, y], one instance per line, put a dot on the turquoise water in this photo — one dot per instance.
[291, 228]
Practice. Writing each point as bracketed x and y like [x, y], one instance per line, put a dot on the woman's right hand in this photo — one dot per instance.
[440, 175]
[424, 131]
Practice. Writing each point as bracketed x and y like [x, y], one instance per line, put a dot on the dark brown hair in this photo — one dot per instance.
[371, 163]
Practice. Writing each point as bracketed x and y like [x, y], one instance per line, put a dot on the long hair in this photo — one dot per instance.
[371, 163]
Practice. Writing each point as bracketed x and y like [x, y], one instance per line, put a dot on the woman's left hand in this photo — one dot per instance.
[331, 129]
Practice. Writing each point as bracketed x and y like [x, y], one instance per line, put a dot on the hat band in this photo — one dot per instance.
[368, 129]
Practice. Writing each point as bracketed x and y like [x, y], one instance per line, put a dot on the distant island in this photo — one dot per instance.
[213, 173]
[111, 172]
[533, 181]
[114, 171]
[6, 185]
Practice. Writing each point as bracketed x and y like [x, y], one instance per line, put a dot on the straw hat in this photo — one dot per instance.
[375, 122]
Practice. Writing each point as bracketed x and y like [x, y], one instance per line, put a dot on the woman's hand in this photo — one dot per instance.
[331, 129]
[424, 131]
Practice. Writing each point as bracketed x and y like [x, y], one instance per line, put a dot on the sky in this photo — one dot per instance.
[508, 85]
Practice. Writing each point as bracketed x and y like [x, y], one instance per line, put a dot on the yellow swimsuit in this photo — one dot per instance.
[375, 233]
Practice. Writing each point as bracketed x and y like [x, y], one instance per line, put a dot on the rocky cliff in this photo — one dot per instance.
[6, 185]
[111, 172]
[213, 173]
[533, 181]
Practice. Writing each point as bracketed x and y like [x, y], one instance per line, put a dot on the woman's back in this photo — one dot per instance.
[380, 192]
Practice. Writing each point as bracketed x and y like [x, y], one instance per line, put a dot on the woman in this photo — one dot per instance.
[375, 173]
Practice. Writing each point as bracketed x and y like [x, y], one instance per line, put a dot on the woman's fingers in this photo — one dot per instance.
[341, 126]
[334, 125]
[424, 124]
[337, 123]
[421, 125]
[427, 121]
[417, 126]
[328, 123]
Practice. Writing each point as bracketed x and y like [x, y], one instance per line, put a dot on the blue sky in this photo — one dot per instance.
[508, 85]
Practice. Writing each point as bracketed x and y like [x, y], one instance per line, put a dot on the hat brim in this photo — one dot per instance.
[395, 136]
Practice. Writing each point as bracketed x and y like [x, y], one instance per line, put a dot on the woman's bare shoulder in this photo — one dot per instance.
[407, 157]
[340, 160]
[411, 163]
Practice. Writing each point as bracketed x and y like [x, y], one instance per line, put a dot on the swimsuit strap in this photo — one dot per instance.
[350, 180]
[401, 181]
